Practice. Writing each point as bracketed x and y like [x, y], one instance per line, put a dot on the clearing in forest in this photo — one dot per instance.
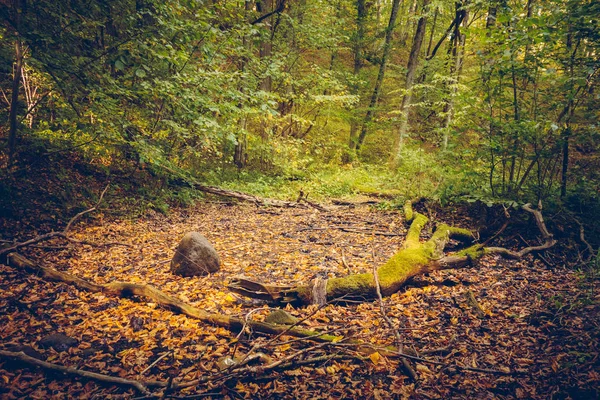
[500, 329]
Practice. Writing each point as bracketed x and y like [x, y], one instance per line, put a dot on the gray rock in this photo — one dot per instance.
[195, 256]
[58, 342]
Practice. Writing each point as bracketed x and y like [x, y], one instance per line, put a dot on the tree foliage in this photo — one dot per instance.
[282, 87]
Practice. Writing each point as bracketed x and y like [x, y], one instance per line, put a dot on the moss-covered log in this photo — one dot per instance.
[414, 258]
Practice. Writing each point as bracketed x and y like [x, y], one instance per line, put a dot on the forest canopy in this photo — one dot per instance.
[495, 99]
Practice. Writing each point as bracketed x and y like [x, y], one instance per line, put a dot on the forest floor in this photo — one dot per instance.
[540, 328]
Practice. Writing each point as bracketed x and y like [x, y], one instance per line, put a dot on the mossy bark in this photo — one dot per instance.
[414, 258]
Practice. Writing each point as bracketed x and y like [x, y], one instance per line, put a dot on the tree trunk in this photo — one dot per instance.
[361, 14]
[566, 134]
[14, 102]
[266, 46]
[411, 68]
[414, 258]
[377, 89]
[240, 152]
[457, 51]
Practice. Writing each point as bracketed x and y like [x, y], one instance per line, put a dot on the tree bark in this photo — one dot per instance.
[457, 51]
[266, 46]
[361, 14]
[411, 68]
[377, 89]
[566, 134]
[240, 152]
[14, 102]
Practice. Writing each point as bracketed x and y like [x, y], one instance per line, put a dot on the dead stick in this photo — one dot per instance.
[411, 372]
[126, 289]
[20, 356]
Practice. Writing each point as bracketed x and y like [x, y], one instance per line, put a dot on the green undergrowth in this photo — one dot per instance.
[417, 174]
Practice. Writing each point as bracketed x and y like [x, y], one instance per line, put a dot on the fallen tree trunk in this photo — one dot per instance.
[259, 201]
[414, 258]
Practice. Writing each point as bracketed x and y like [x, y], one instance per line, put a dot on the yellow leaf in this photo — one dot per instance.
[375, 357]
[331, 370]
[337, 339]
[230, 298]
[285, 347]
[423, 369]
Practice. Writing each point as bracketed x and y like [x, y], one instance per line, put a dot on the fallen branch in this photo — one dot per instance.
[259, 201]
[303, 197]
[245, 196]
[140, 386]
[414, 258]
[548, 238]
[126, 289]
[354, 203]
[407, 367]
[348, 229]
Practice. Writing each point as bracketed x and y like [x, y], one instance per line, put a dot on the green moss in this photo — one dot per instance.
[414, 232]
[444, 231]
[401, 266]
[473, 252]
[408, 211]
[304, 294]
[351, 285]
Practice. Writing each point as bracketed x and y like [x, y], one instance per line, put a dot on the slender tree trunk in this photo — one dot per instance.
[458, 49]
[377, 89]
[14, 102]
[491, 17]
[361, 14]
[266, 46]
[435, 15]
[408, 9]
[566, 134]
[240, 154]
[413, 62]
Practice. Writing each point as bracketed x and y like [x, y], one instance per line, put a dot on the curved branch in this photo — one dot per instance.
[126, 289]
[278, 10]
[139, 385]
[548, 238]
[414, 258]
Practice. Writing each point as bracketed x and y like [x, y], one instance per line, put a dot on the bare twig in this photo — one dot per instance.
[155, 362]
[502, 228]
[408, 368]
[549, 240]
